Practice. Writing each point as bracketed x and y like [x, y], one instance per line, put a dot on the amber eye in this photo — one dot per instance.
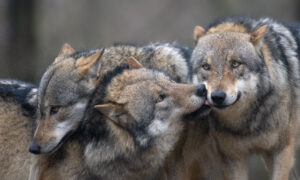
[206, 67]
[235, 64]
[54, 110]
[160, 98]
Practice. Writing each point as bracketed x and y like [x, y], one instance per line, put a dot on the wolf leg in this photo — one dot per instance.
[283, 162]
[268, 162]
[235, 169]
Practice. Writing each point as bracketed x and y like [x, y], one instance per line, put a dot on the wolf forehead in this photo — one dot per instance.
[218, 39]
[59, 80]
[134, 76]
[220, 48]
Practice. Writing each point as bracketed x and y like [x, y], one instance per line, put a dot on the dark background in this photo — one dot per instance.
[32, 31]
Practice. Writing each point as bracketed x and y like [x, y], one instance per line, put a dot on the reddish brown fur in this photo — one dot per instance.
[44, 130]
[228, 27]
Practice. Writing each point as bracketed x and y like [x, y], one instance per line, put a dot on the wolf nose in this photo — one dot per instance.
[201, 90]
[35, 149]
[218, 97]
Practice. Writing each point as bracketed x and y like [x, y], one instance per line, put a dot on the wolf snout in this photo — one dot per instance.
[201, 90]
[35, 149]
[218, 97]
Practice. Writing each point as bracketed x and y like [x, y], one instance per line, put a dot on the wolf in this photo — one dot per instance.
[140, 126]
[251, 70]
[69, 84]
[18, 103]
[17, 109]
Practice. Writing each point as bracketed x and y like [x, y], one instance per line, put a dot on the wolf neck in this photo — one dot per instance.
[108, 147]
[118, 149]
[117, 156]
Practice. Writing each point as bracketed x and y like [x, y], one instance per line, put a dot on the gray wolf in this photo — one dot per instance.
[251, 70]
[18, 103]
[140, 126]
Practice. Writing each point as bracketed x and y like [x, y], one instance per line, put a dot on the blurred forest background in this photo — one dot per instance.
[32, 31]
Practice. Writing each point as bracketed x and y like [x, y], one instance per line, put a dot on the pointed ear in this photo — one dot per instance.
[110, 110]
[65, 50]
[133, 63]
[198, 32]
[90, 65]
[258, 34]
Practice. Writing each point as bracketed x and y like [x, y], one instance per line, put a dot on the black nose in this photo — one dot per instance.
[218, 97]
[201, 90]
[35, 149]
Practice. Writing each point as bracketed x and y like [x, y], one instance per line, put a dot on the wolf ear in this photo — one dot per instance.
[198, 32]
[65, 50]
[90, 65]
[133, 63]
[110, 110]
[258, 34]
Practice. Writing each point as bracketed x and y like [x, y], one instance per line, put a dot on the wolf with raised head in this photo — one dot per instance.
[251, 70]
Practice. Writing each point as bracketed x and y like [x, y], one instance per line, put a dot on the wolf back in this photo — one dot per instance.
[171, 58]
[17, 108]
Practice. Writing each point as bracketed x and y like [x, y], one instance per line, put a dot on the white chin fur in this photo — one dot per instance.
[197, 101]
[158, 127]
[59, 133]
[62, 129]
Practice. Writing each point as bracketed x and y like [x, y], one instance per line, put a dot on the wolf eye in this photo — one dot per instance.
[206, 67]
[54, 110]
[235, 64]
[160, 98]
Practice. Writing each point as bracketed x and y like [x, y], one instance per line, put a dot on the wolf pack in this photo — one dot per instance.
[160, 111]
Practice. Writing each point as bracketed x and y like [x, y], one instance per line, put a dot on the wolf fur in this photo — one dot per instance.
[251, 70]
[18, 101]
[17, 104]
[70, 82]
[146, 128]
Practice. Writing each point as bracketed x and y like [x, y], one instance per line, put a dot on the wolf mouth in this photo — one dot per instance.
[225, 106]
[202, 111]
[60, 143]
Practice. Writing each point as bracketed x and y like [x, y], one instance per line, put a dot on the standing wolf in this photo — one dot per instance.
[68, 87]
[251, 71]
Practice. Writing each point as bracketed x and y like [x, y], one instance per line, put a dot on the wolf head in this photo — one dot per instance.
[229, 61]
[143, 109]
[63, 95]
[142, 98]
